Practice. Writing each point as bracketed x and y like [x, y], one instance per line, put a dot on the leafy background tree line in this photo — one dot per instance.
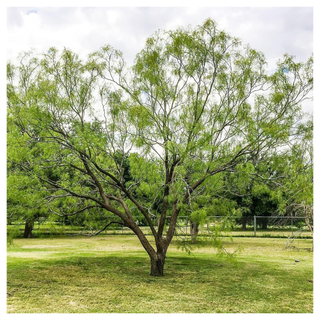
[197, 125]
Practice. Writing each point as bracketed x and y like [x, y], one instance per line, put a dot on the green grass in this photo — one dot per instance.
[111, 274]
[51, 229]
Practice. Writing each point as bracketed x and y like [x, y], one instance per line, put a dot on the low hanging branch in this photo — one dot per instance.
[106, 226]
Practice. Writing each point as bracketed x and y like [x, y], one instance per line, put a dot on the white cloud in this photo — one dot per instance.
[274, 31]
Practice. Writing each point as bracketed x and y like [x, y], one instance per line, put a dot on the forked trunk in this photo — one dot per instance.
[194, 230]
[157, 264]
[158, 257]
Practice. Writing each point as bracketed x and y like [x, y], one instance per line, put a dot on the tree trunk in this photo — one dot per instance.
[308, 213]
[28, 228]
[157, 264]
[244, 222]
[265, 223]
[157, 259]
[194, 230]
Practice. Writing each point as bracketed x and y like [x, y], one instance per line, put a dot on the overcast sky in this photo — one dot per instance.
[274, 31]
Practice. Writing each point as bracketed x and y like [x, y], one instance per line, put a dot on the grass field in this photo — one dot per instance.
[111, 274]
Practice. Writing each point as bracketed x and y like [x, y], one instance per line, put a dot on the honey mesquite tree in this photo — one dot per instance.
[195, 103]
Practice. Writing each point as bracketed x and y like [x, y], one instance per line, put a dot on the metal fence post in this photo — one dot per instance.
[255, 225]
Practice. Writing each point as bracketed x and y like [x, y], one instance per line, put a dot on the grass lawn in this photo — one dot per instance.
[111, 274]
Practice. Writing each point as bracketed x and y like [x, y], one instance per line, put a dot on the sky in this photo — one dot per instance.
[274, 31]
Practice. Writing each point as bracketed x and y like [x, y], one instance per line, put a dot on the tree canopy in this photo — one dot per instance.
[151, 138]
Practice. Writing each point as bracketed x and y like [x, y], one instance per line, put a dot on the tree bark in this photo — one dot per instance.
[194, 230]
[28, 228]
[308, 212]
[157, 264]
[265, 224]
[244, 222]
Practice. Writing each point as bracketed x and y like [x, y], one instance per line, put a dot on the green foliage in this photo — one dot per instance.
[196, 118]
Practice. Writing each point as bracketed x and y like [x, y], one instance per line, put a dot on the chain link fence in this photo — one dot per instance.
[250, 226]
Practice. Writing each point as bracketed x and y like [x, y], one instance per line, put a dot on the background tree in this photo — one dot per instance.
[184, 103]
[250, 188]
[24, 195]
[294, 191]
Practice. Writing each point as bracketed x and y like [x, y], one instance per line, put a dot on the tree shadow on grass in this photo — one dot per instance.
[127, 277]
[130, 265]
